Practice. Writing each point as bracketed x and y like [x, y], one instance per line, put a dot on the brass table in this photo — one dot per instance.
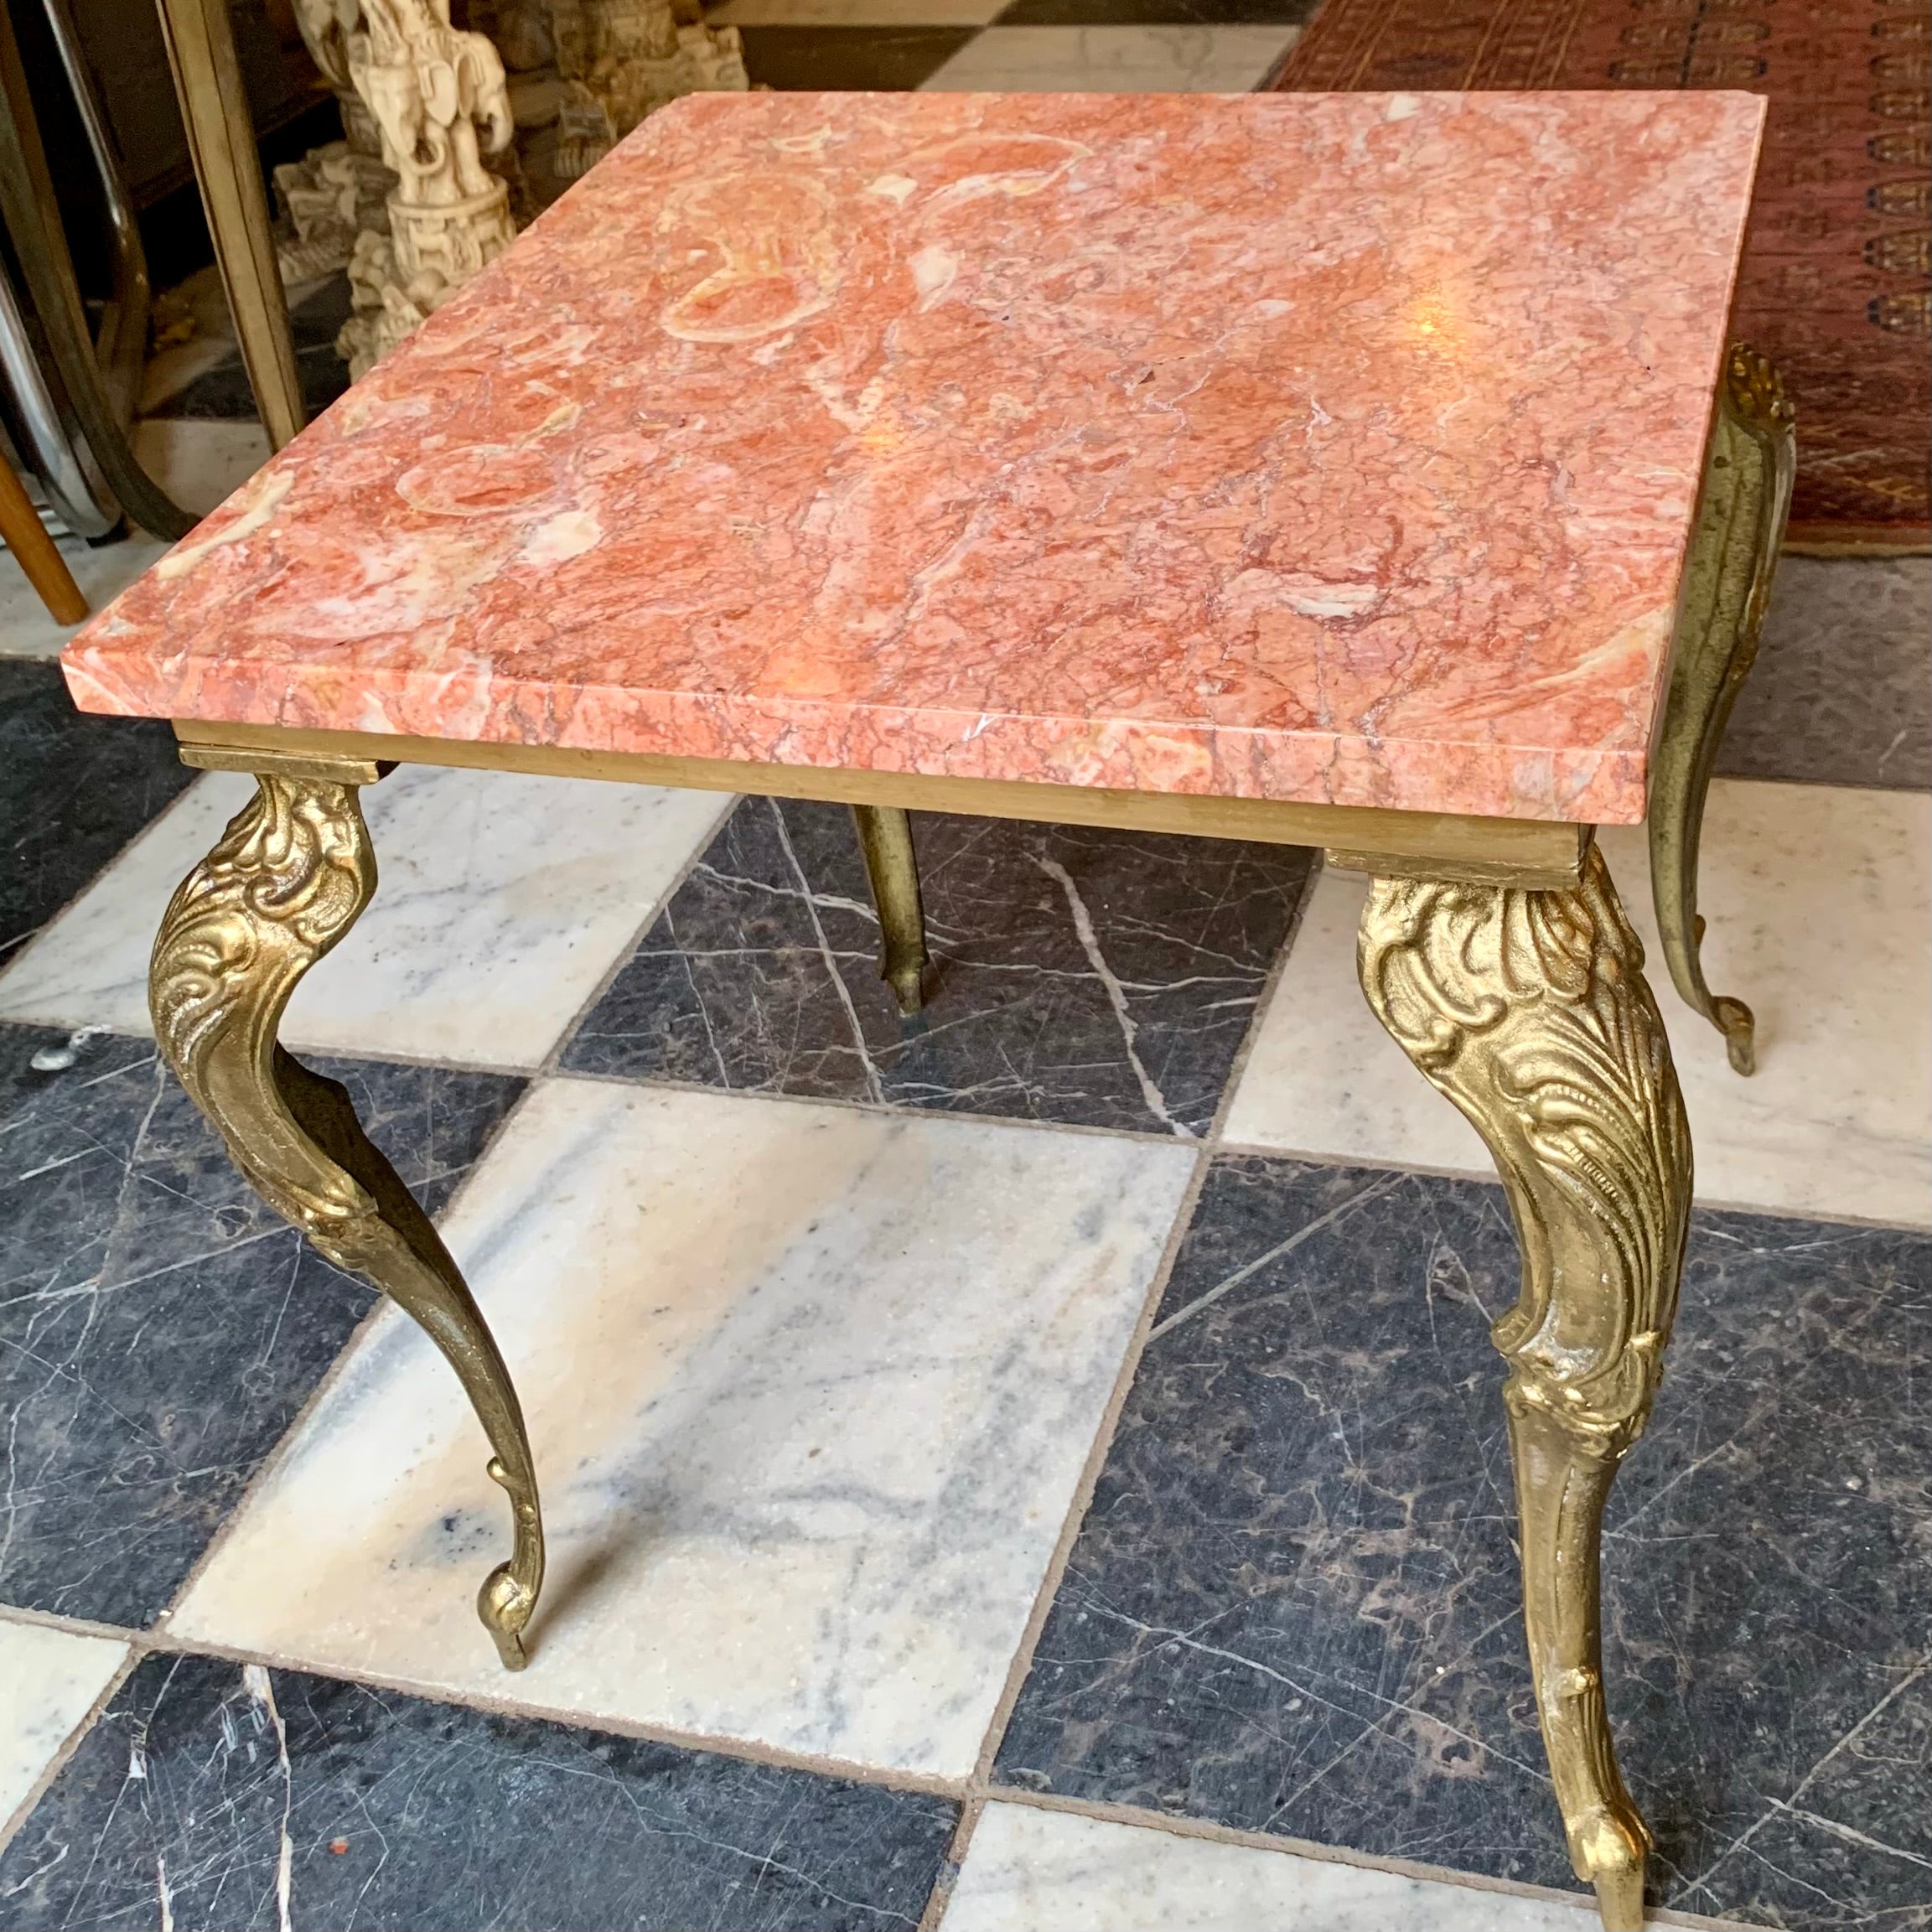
[815, 488]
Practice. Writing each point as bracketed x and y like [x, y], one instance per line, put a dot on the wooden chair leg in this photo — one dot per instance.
[27, 539]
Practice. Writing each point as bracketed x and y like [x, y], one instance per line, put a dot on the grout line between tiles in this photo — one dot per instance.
[1208, 1831]
[748, 1750]
[1083, 1492]
[1082, 1497]
[72, 1742]
[902, 1110]
[939, 1900]
[972, 1794]
[551, 1061]
[1384, 1164]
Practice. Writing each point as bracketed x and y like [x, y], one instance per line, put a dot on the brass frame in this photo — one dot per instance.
[1740, 519]
[1502, 850]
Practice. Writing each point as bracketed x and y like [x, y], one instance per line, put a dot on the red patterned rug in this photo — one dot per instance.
[1834, 286]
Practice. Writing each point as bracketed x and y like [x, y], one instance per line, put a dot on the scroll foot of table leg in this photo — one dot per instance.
[885, 835]
[1529, 1010]
[286, 881]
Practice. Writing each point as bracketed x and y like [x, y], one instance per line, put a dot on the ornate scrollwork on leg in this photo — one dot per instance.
[1530, 1010]
[1741, 518]
[286, 880]
[885, 834]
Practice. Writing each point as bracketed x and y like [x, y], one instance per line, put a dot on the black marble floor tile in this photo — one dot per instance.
[159, 1327]
[1157, 13]
[1841, 692]
[867, 60]
[1294, 1605]
[1099, 977]
[73, 790]
[223, 393]
[202, 1777]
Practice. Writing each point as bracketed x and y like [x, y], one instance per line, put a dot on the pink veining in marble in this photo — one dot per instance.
[1327, 448]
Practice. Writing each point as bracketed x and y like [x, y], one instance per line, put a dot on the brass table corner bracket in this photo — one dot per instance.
[1527, 875]
[259, 761]
[280, 889]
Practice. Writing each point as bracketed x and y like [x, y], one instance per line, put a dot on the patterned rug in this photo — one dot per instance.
[1834, 285]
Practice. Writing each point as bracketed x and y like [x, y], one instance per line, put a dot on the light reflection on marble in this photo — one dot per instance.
[1820, 919]
[49, 1680]
[1027, 1869]
[502, 901]
[1323, 447]
[806, 1436]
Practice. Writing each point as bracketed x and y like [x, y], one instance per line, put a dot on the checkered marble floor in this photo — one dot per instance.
[1039, 1466]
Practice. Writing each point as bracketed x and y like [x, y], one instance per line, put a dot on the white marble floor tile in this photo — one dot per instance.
[503, 900]
[48, 1680]
[853, 13]
[1821, 918]
[810, 1388]
[1026, 1870]
[1225, 60]
[26, 631]
[200, 463]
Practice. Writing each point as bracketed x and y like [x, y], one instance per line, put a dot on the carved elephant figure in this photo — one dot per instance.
[428, 86]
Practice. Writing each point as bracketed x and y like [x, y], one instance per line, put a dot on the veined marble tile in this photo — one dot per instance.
[160, 1327]
[48, 1680]
[1818, 903]
[1294, 1603]
[1099, 977]
[215, 1797]
[1841, 692]
[1219, 59]
[26, 631]
[73, 791]
[503, 900]
[810, 1390]
[1027, 1869]
[200, 463]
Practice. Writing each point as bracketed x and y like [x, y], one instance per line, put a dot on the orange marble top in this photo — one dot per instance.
[1327, 448]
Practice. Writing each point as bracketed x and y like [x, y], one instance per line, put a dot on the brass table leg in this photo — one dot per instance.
[286, 880]
[1530, 1010]
[885, 835]
[1728, 583]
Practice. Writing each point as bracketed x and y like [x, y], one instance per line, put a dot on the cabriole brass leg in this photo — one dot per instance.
[885, 835]
[1741, 518]
[1530, 1010]
[288, 878]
